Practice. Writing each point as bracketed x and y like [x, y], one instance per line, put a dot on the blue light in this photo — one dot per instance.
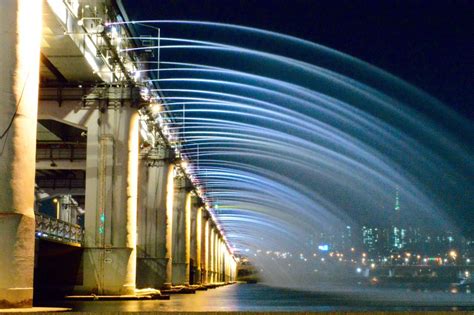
[323, 248]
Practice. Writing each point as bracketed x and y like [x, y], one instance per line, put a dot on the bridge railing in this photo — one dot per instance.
[57, 230]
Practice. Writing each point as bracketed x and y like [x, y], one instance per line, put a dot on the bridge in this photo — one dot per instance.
[98, 173]
[53, 229]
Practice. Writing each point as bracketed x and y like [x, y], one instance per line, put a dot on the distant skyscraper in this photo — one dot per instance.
[398, 233]
[370, 238]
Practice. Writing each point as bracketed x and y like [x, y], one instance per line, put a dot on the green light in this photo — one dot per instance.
[397, 200]
[102, 217]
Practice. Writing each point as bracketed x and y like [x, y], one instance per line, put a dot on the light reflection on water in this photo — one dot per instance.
[248, 297]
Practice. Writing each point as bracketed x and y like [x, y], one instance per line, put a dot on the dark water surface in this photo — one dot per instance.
[256, 297]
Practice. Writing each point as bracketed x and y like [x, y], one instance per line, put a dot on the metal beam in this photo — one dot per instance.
[45, 61]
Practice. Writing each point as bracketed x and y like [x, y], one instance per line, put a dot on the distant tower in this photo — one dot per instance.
[397, 200]
[397, 232]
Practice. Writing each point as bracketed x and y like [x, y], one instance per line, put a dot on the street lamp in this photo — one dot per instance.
[56, 201]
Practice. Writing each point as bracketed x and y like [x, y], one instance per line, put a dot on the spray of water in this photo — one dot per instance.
[295, 143]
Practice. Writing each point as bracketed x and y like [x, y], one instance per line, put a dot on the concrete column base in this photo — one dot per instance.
[167, 286]
[151, 272]
[16, 260]
[109, 271]
[16, 298]
[203, 276]
[180, 274]
[197, 277]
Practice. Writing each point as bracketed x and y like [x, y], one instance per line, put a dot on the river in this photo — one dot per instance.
[259, 298]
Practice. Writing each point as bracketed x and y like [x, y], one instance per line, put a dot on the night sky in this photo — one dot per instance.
[427, 43]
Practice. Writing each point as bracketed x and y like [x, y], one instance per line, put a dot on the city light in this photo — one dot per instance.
[323, 248]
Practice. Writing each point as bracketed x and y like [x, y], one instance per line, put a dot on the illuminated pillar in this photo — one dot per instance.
[211, 254]
[155, 208]
[181, 231]
[20, 35]
[218, 258]
[220, 263]
[215, 256]
[196, 236]
[229, 271]
[205, 249]
[111, 202]
[199, 244]
[229, 259]
[233, 270]
[168, 241]
[226, 266]
[224, 263]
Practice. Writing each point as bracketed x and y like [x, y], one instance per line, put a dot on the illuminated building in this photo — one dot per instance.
[397, 233]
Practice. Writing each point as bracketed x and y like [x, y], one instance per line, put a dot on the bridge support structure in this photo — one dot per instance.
[213, 256]
[111, 203]
[217, 268]
[20, 35]
[155, 214]
[110, 116]
[220, 256]
[196, 239]
[181, 230]
[205, 249]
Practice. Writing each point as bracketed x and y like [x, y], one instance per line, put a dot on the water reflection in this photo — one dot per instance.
[248, 297]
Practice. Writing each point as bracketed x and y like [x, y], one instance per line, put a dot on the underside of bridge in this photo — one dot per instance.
[86, 169]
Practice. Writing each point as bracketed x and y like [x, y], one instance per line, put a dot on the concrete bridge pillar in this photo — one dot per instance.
[211, 254]
[20, 35]
[111, 202]
[229, 267]
[220, 260]
[155, 211]
[226, 266]
[225, 277]
[222, 264]
[196, 237]
[233, 270]
[110, 116]
[181, 231]
[231, 264]
[215, 254]
[205, 248]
